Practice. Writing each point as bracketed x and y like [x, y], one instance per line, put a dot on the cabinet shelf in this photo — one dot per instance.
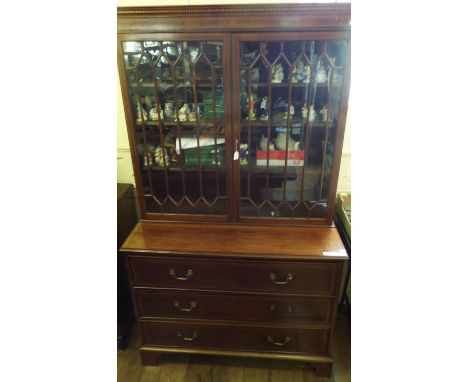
[258, 171]
[167, 85]
[202, 122]
[286, 85]
[178, 169]
[283, 123]
[290, 170]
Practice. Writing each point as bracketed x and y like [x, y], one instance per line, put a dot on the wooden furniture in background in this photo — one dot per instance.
[236, 119]
[126, 220]
[343, 225]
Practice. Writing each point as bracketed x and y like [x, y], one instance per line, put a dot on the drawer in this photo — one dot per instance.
[183, 304]
[289, 277]
[218, 336]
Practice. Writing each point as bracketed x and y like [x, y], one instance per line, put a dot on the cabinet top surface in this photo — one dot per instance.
[232, 240]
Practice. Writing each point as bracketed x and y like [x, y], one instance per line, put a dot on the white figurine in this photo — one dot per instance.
[277, 74]
[281, 143]
[296, 72]
[141, 113]
[301, 73]
[158, 156]
[322, 75]
[146, 159]
[153, 114]
[254, 75]
[193, 52]
[183, 112]
[192, 116]
[291, 112]
[307, 74]
[312, 114]
[264, 144]
[264, 109]
[168, 110]
[323, 113]
[147, 103]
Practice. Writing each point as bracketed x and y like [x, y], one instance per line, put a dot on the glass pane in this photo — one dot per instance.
[290, 93]
[177, 94]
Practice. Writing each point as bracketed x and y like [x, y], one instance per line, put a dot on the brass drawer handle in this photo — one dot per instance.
[194, 335]
[188, 274]
[193, 305]
[286, 340]
[273, 307]
[289, 277]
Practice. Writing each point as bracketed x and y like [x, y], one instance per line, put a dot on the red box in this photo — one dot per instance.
[277, 158]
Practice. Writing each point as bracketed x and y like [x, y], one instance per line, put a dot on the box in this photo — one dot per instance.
[204, 162]
[218, 101]
[277, 158]
[207, 156]
[208, 110]
[205, 150]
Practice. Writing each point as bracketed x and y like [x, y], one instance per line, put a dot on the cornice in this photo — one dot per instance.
[321, 9]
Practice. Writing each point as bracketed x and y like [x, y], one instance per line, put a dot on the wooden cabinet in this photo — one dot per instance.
[236, 119]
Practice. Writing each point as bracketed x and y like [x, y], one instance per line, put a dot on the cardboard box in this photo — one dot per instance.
[207, 156]
[277, 158]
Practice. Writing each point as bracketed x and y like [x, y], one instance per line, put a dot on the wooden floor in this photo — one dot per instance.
[186, 368]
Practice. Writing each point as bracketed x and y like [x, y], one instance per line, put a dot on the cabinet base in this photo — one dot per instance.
[322, 366]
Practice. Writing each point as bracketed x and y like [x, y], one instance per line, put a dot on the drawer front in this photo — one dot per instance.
[211, 336]
[313, 278]
[178, 304]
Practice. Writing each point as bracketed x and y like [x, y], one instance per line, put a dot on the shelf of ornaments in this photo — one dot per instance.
[258, 171]
[170, 84]
[207, 84]
[286, 85]
[174, 167]
[166, 66]
[292, 172]
[202, 122]
[293, 123]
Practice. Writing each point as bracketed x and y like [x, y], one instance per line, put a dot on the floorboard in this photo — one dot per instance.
[200, 369]
[228, 369]
[256, 370]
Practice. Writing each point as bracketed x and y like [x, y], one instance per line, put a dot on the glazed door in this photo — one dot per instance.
[176, 108]
[290, 104]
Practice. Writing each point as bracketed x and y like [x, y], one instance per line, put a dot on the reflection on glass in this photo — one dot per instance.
[290, 93]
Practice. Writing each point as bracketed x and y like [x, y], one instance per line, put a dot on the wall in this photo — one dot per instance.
[124, 166]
